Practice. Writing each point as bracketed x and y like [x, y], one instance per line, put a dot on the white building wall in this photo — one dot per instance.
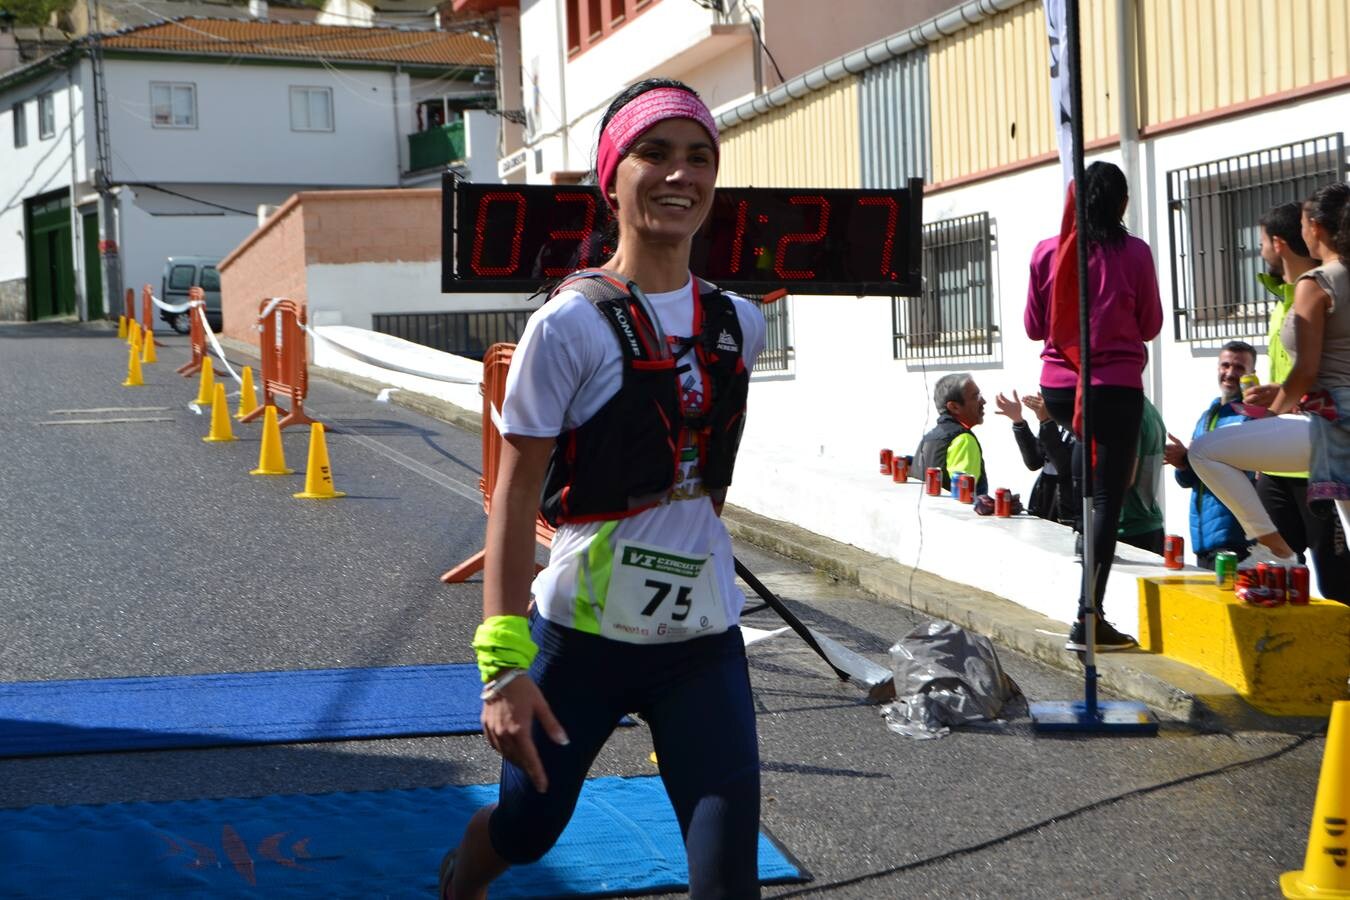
[810, 433]
[243, 132]
[40, 167]
[347, 294]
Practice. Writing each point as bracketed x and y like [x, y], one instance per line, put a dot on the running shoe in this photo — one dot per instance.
[1262, 554]
[1108, 638]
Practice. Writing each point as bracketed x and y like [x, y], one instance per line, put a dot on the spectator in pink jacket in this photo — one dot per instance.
[1126, 313]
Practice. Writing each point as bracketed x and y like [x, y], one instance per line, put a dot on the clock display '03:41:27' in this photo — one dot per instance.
[831, 241]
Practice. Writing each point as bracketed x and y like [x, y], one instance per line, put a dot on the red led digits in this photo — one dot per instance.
[480, 229]
[888, 243]
[802, 237]
[738, 242]
[580, 235]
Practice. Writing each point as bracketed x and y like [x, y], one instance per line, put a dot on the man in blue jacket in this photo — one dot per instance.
[1213, 528]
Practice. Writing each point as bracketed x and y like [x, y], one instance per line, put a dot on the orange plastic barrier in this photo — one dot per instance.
[196, 334]
[285, 360]
[148, 315]
[130, 300]
[496, 363]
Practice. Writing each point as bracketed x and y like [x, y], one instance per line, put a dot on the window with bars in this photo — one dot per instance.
[954, 317]
[591, 21]
[1214, 214]
[777, 338]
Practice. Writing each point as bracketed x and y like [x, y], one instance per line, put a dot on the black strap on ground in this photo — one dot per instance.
[785, 614]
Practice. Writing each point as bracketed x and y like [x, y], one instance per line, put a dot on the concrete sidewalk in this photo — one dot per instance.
[1172, 689]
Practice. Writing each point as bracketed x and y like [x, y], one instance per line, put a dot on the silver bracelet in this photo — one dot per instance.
[493, 688]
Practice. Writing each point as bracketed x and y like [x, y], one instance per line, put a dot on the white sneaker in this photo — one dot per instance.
[1260, 553]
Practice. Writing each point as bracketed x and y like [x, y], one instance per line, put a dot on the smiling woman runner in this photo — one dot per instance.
[630, 437]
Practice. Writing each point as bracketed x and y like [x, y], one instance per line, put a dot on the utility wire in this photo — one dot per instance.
[1054, 820]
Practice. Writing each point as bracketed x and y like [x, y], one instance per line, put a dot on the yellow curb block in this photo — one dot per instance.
[1286, 661]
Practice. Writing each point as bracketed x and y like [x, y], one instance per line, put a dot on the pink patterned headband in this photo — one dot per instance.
[640, 114]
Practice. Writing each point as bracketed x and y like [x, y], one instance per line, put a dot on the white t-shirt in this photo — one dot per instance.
[566, 367]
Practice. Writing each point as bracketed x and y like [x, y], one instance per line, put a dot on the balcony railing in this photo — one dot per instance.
[436, 146]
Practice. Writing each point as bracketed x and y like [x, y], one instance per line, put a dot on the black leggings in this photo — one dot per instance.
[1116, 414]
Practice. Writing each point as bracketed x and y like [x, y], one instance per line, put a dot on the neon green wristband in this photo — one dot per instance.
[503, 642]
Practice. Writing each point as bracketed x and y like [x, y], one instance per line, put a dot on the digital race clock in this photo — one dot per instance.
[516, 238]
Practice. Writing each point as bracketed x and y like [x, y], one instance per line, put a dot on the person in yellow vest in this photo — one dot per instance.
[1285, 494]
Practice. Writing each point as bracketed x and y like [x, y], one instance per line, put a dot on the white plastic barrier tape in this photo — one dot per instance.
[170, 308]
[386, 364]
[215, 344]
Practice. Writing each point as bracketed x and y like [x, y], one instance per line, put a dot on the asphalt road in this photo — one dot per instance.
[133, 548]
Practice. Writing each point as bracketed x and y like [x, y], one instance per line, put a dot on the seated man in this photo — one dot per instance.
[1141, 518]
[951, 446]
[1050, 451]
[1213, 528]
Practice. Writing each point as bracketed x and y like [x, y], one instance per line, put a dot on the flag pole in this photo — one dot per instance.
[1089, 716]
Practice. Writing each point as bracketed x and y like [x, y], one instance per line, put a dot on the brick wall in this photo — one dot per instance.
[269, 263]
[325, 227]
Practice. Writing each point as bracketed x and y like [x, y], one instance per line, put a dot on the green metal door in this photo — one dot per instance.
[51, 263]
[93, 267]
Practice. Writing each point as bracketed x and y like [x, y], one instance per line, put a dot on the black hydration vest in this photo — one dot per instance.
[932, 452]
[624, 459]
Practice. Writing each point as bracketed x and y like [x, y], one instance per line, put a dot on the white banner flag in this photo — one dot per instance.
[1059, 84]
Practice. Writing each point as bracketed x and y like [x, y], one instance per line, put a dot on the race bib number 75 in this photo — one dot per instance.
[656, 596]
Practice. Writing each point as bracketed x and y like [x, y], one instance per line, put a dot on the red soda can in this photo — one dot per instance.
[886, 457]
[965, 490]
[899, 470]
[1298, 585]
[1276, 583]
[1003, 503]
[932, 479]
[1174, 551]
[1263, 576]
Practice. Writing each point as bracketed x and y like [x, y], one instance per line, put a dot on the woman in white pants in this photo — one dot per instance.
[1308, 425]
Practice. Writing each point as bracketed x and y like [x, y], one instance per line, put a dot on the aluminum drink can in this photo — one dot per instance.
[886, 457]
[1263, 575]
[1249, 381]
[1174, 551]
[932, 480]
[1277, 583]
[899, 471]
[965, 488]
[1298, 585]
[1225, 570]
[954, 485]
[1003, 503]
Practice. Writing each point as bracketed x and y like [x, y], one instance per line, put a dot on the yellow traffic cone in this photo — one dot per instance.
[122, 327]
[148, 354]
[318, 476]
[220, 419]
[205, 384]
[271, 455]
[248, 397]
[1326, 866]
[133, 369]
[134, 334]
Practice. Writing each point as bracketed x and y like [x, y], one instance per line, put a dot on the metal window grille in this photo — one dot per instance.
[1214, 214]
[777, 342]
[954, 317]
[461, 333]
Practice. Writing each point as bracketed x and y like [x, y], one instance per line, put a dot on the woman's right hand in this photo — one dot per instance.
[508, 721]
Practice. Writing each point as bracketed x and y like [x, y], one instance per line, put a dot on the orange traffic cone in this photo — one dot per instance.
[122, 327]
[271, 455]
[133, 369]
[220, 419]
[148, 354]
[318, 475]
[248, 395]
[204, 385]
[1326, 865]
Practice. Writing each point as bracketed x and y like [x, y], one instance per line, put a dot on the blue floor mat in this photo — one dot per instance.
[623, 839]
[102, 715]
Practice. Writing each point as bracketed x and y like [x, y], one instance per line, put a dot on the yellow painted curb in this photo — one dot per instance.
[1286, 661]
